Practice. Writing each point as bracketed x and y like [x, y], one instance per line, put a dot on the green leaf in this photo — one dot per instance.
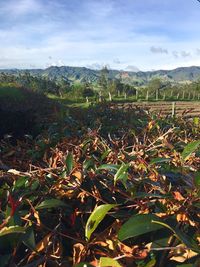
[159, 160]
[69, 162]
[83, 264]
[106, 262]
[35, 185]
[121, 172]
[185, 265]
[196, 121]
[12, 230]
[96, 217]
[189, 149]
[20, 182]
[88, 164]
[197, 179]
[151, 263]
[185, 239]
[50, 203]
[105, 154]
[108, 167]
[29, 238]
[138, 225]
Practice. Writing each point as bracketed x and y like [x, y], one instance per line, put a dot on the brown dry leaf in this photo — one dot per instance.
[153, 176]
[94, 263]
[150, 125]
[35, 213]
[182, 254]
[182, 217]
[78, 175]
[140, 254]
[126, 250]
[82, 196]
[111, 244]
[167, 144]
[79, 253]
[55, 161]
[177, 195]
[41, 246]
[101, 243]
[57, 249]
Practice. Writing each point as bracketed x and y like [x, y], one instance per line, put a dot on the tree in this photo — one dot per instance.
[87, 90]
[103, 79]
[154, 86]
[129, 90]
[119, 86]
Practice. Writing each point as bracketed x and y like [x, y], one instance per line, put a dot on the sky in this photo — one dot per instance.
[128, 35]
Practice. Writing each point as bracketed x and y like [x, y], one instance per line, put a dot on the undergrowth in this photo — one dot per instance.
[102, 188]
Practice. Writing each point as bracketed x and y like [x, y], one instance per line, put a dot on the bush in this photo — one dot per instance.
[22, 111]
[87, 92]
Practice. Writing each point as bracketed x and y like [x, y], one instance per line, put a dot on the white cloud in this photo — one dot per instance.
[185, 54]
[58, 63]
[158, 50]
[94, 33]
[175, 54]
[132, 68]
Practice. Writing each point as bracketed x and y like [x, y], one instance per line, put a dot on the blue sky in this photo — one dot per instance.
[123, 34]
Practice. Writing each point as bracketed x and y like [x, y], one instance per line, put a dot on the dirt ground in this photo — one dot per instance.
[182, 108]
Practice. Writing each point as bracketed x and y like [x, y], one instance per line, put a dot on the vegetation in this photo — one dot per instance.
[97, 183]
[108, 84]
[23, 111]
[102, 187]
[81, 74]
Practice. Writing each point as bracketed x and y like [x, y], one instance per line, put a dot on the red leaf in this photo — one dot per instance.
[13, 203]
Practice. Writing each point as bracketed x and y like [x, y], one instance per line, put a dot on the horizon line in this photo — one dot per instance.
[97, 69]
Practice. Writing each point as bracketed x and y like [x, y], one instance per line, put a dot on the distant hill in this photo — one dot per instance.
[81, 74]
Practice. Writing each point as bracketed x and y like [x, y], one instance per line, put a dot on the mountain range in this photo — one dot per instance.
[82, 74]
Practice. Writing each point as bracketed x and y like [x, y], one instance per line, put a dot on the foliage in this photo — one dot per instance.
[81, 74]
[78, 83]
[124, 192]
[23, 111]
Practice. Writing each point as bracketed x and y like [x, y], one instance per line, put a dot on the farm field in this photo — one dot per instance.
[99, 133]
[187, 109]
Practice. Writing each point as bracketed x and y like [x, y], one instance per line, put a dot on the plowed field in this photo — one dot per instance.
[186, 109]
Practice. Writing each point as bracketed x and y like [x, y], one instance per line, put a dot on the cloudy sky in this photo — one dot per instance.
[124, 34]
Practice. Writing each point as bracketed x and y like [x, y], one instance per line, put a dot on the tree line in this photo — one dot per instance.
[105, 87]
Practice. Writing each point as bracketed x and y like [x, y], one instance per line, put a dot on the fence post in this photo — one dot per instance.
[100, 97]
[173, 109]
[110, 96]
[87, 99]
[183, 96]
[147, 96]
[156, 95]
[177, 97]
[136, 95]
[164, 96]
